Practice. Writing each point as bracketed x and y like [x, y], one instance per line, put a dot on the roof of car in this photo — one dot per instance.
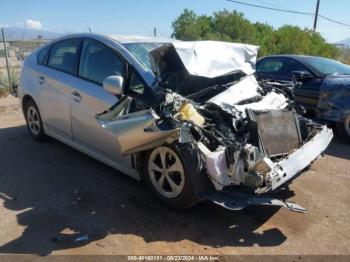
[297, 57]
[124, 39]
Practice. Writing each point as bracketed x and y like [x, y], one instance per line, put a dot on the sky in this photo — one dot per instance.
[141, 16]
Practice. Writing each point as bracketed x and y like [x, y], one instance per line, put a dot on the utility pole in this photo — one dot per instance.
[7, 60]
[316, 15]
[155, 32]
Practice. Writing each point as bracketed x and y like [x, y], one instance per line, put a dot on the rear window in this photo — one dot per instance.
[64, 55]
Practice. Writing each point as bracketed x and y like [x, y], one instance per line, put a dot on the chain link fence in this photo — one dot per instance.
[17, 50]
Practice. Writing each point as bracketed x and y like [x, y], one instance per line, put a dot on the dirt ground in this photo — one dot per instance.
[50, 195]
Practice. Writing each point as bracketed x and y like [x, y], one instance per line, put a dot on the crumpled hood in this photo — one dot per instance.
[204, 58]
[242, 95]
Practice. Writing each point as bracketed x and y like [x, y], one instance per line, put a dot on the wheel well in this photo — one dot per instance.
[25, 100]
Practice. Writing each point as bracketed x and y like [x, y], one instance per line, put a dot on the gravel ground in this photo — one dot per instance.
[50, 195]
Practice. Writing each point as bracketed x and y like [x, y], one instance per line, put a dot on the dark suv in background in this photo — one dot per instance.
[324, 88]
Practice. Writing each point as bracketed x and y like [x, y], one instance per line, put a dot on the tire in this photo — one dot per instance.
[34, 122]
[343, 128]
[160, 180]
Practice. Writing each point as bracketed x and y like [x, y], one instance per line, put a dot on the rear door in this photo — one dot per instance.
[56, 81]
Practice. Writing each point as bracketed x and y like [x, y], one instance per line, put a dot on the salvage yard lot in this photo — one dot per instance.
[51, 195]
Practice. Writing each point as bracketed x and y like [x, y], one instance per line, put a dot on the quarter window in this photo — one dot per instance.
[136, 85]
[42, 56]
[98, 62]
[64, 55]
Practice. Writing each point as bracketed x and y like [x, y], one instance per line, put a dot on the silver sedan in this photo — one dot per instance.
[187, 117]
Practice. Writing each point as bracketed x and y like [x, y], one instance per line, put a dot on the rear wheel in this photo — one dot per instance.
[34, 122]
[168, 176]
[344, 128]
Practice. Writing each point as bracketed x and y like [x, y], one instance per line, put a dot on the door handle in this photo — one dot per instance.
[41, 79]
[77, 96]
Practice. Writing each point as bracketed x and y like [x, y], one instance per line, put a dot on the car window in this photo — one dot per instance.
[64, 55]
[98, 62]
[42, 56]
[269, 66]
[291, 65]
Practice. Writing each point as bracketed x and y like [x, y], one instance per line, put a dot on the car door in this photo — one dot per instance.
[56, 79]
[97, 62]
[306, 94]
[282, 68]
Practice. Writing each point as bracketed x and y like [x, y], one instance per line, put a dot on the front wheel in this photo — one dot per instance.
[343, 128]
[168, 175]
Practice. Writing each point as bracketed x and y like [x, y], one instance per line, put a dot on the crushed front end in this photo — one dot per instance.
[249, 135]
[258, 143]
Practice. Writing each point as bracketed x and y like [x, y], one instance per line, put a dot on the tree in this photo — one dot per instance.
[233, 26]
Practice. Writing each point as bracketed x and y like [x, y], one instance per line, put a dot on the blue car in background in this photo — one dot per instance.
[324, 88]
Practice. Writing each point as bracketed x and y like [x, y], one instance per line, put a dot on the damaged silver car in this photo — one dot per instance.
[187, 117]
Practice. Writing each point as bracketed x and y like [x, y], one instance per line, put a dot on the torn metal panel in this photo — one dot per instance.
[216, 165]
[138, 131]
[270, 101]
[242, 94]
[235, 200]
[245, 89]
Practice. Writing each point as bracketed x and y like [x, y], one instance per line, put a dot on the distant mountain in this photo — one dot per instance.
[24, 34]
[345, 42]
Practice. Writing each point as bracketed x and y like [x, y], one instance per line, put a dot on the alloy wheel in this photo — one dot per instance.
[33, 120]
[166, 172]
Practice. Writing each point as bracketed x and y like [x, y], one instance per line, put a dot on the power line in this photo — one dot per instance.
[290, 11]
[267, 3]
[271, 8]
[334, 21]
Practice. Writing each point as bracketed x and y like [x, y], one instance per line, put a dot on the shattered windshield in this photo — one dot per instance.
[327, 66]
[141, 52]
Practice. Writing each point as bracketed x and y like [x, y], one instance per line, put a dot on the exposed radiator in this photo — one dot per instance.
[276, 131]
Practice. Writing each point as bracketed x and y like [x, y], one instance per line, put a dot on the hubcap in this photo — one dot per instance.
[33, 120]
[166, 172]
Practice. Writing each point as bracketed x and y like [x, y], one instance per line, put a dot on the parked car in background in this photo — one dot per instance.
[325, 85]
[187, 117]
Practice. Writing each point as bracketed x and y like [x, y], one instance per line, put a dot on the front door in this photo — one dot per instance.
[97, 62]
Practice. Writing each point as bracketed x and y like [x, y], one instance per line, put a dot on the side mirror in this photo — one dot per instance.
[114, 85]
[302, 76]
